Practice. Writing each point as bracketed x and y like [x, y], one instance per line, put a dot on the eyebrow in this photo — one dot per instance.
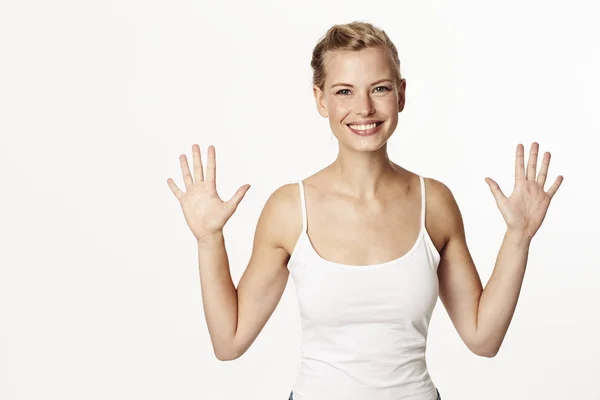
[374, 83]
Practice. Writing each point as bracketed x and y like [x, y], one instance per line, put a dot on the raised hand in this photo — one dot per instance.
[525, 209]
[203, 209]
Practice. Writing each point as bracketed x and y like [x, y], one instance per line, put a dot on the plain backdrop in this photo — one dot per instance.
[99, 283]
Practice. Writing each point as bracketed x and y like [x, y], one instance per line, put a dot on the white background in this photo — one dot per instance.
[99, 285]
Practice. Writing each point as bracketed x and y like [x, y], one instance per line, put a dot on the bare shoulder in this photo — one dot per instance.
[282, 215]
[438, 193]
[443, 214]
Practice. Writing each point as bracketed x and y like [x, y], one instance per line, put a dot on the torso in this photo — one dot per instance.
[347, 231]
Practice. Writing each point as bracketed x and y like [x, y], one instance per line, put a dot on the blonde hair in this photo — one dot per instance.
[353, 36]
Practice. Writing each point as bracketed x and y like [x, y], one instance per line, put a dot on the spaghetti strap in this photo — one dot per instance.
[303, 203]
[423, 198]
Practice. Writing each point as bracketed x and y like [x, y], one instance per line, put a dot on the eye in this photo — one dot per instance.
[387, 88]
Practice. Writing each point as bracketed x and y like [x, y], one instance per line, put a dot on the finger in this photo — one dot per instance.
[496, 191]
[211, 168]
[185, 171]
[520, 163]
[198, 169]
[237, 197]
[555, 186]
[541, 179]
[532, 162]
[178, 193]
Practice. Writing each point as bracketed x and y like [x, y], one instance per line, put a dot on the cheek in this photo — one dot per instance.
[339, 109]
[392, 110]
[389, 104]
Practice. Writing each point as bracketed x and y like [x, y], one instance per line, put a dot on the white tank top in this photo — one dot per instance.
[364, 328]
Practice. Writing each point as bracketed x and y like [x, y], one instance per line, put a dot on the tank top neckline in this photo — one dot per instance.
[304, 236]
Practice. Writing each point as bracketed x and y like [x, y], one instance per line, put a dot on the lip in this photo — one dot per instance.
[367, 132]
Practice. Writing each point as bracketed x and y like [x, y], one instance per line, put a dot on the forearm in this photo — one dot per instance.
[499, 298]
[219, 295]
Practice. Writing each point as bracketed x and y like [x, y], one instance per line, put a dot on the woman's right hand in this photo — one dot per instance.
[203, 209]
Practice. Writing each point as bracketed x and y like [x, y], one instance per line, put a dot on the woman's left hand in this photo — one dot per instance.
[526, 207]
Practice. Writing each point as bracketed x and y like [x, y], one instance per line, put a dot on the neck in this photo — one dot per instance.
[362, 174]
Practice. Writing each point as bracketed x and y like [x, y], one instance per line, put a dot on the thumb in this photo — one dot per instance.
[496, 191]
[237, 197]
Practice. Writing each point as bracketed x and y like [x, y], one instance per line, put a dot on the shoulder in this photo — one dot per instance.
[438, 192]
[281, 215]
[443, 208]
[284, 197]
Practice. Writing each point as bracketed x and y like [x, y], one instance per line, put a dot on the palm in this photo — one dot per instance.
[526, 208]
[204, 211]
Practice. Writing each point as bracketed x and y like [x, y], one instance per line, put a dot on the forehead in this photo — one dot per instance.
[358, 67]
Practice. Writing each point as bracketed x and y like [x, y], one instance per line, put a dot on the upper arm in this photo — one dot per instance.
[262, 284]
[459, 282]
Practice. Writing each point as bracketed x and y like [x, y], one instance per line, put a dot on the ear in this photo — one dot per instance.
[320, 100]
[401, 95]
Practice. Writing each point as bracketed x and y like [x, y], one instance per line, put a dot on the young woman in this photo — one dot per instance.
[370, 245]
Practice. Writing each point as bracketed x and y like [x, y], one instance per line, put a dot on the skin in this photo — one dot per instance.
[363, 209]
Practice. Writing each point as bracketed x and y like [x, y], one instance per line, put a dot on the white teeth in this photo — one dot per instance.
[363, 127]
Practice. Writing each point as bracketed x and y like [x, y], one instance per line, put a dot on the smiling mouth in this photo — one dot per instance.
[365, 127]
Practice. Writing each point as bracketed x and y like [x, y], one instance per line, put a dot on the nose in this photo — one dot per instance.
[364, 105]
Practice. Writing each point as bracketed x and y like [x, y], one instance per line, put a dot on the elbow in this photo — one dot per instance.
[483, 349]
[225, 350]
[486, 352]
[222, 356]
[226, 356]
[228, 353]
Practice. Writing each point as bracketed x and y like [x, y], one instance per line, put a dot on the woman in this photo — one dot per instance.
[370, 245]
